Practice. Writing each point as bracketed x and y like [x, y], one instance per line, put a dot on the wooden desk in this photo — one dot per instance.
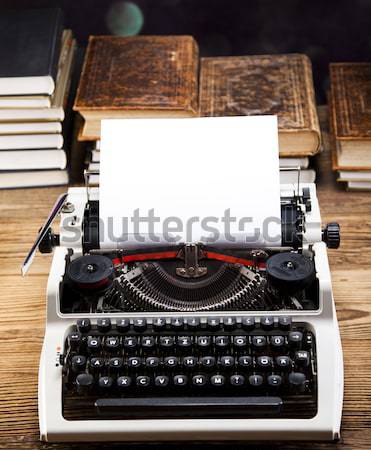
[22, 315]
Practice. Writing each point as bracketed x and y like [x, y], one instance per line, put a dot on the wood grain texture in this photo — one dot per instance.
[139, 73]
[22, 316]
[263, 84]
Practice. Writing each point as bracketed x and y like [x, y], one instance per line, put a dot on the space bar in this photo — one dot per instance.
[194, 406]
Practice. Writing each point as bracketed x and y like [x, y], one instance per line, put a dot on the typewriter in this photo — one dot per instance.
[190, 342]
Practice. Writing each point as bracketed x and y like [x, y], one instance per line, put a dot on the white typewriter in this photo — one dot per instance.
[190, 341]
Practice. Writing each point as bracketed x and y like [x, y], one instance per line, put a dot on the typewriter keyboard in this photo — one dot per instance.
[202, 367]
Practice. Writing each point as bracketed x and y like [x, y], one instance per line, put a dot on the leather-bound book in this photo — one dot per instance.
[138, 76]
[30, 44]
[265, 84]
[350, 114]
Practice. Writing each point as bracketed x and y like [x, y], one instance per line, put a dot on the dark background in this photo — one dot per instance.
[325, 30]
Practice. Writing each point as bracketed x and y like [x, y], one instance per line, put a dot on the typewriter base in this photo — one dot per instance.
[324, 426]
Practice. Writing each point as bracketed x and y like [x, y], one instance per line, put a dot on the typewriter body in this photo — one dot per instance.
[190, 342]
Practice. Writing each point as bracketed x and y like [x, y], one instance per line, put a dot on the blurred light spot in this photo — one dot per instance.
[124, 19]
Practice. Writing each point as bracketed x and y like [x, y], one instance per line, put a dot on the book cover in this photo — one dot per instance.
[265, 84]
[30, 42]
[351, 100]
[350, 116]
[139, 75]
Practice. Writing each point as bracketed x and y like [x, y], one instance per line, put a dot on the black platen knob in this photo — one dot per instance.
[331, 235]
[48, 242]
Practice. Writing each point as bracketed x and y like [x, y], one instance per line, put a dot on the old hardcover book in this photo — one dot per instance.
[265, 84]
[350, 114]
[30, 42]
[139, 76]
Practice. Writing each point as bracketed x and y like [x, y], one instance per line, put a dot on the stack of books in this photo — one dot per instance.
[92, 163]
[163, 76]
[268, 84]
[350, 123]
[37, 55]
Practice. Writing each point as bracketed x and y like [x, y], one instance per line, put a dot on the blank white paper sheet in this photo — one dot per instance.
[213, 180]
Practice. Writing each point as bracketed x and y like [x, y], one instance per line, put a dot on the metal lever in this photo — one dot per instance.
[191, 267]
[53, 213]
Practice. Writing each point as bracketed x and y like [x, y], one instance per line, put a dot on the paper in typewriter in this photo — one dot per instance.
[170, 181]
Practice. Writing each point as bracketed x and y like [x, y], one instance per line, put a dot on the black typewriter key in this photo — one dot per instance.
[264, 362]
[166, 342]
[274, 381]
[96, 364]
[203, 342]
[194, 323]
[148, 342]
[240, 342]
[134, 362]
[185, 342]
[284, 322]
[237, 380]
[152, 361]
[213, 323]
[112, 344]
[227, 362]
[302, 358]
[78, 363]
[84, 325]
[207, 361]
[177, 323]
[180, 380]
[283, 362]
[245, 361]
[84, 382]
[189, 362]
[308, 340]
[267, 323]
[221, 342]
[295, 339]
[62, 359]
[105, 382]
[259, 342]
[277, 342]
[143, 381]
[255, 380]
[104, 325]
[94, 344]
[171, 361]
[229, 323]
[199, 380]
[130, 343]
[217, 380]
[123, 382]
[140, 324]
[248, 323]
[115, 363]
[123, 325]
[297, 381]
[162, 381]
[74, 340]
[159, 323]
